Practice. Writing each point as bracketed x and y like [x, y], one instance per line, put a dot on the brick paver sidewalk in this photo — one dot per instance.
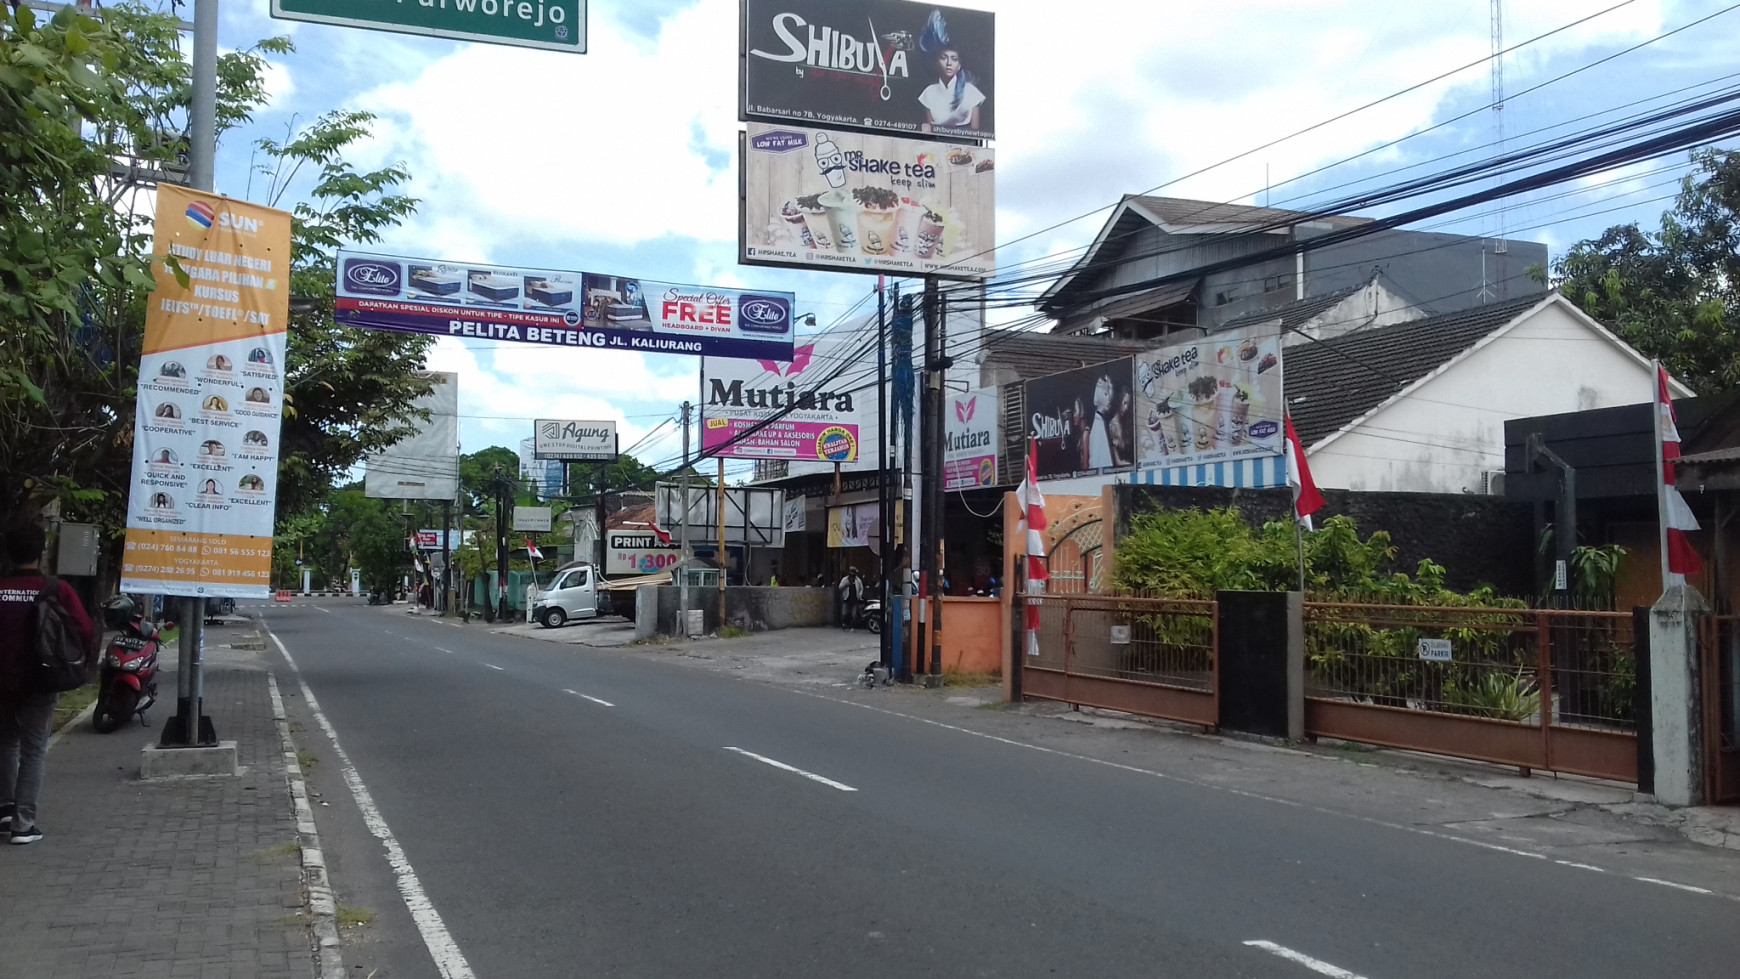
[170, 878]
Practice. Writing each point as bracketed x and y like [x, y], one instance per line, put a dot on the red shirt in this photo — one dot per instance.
[18, 626]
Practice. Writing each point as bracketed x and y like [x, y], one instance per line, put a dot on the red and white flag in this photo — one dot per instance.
[1676, 516]
[532, 550]
[1306, 499]
[1033, 526]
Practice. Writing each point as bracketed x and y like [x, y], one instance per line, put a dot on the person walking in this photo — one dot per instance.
[26, 712]
[851, 599]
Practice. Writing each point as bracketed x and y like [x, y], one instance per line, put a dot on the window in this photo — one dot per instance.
[1276, 283]
[561, 581]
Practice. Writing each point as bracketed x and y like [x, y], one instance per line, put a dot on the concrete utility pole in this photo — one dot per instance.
[884, 507]
[682, 581]
[936, 344]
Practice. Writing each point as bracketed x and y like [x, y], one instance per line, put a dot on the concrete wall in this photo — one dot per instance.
[973, 634]
[755, 609]
[1444, 434]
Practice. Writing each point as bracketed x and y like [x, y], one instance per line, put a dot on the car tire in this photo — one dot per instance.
[553, 617]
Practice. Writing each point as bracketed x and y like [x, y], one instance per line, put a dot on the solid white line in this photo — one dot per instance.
[595, 700]
[1315, 965]
[449, 960]
[493, 666]
[1677, 887]
[782, 766]
[1580, 866]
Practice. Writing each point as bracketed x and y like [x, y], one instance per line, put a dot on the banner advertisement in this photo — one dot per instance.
[970, 440]
[887, 65]
[796, 518]
[632, 552]
[203, 495]
[557, 308]
[740, 395]
[533, 518]
[856, 203]
[1081, 420]
[425, 464]
[430, 540]
[574, 441]
[858, 525]
[1210, 401]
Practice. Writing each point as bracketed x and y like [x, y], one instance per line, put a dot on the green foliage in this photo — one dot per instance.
[1503, 696]
[1670, 293]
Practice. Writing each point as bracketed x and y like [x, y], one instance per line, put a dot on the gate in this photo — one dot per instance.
[1148, 656]
[1721, 681]
[1539, 689]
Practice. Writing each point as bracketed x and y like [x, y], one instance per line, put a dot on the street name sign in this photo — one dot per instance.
[550, 25]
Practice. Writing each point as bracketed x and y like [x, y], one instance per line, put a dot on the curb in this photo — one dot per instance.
[79, 718]
[322, 906]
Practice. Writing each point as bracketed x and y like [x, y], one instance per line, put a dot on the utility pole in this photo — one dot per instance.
[190, 726]
[884, 506]
[720, 513]
[682, 581]
[446, 556]
[903, 307]
[937, 343]
[503, 512]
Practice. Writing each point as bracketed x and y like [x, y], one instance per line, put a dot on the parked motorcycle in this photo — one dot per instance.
[872, 615]
[127, 677]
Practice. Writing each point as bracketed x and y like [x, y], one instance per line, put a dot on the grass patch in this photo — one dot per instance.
[970, 678]
[732, 632]
[307, 760]
[279, 852]
[72, 702]
[349, 917]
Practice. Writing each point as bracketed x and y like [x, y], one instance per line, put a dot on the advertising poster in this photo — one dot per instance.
[887, 65]
[204, 486]
[634, 552]
[816, 198]
[1210, 401]
[1082, 420]
[425, 464]
[739, 395]
[556, 308]
[575, 441]
[970, 440]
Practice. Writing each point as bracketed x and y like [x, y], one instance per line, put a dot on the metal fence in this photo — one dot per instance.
[1721, 680]
[1149, 656]
[1546, 689]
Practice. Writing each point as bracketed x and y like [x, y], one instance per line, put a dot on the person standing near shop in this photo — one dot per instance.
[26, 710]
[851, 599]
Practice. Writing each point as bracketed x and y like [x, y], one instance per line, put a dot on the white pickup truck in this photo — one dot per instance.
[578, 592]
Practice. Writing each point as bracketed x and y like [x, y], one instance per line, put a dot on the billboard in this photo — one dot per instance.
[885, 65]
[630, 552]
[970, 440]
[1210, 401]
[856, 203]
[559, 308]
[425, 464]
[203, 493]
[820, 425]
[1081, 420]
[574, 441]
[550, 25]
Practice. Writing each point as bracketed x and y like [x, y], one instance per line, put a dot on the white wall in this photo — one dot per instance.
[1446, 433]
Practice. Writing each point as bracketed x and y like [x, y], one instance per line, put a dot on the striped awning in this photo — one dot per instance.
[1267, 472]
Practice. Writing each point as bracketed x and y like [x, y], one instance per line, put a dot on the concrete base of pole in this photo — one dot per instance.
[930, 680]
[216, 759]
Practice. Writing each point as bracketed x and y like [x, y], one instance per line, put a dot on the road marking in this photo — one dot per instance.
[1315, 965]
[1580, 866]
[782, 766]
[1677, 887]
[440, 649]
[595, 700]
[493, 666]
[449, 960]
[324, 609]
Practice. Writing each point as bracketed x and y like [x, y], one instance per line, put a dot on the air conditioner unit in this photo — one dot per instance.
[1492, 482]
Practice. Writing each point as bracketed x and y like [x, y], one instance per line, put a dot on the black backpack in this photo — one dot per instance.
[63, 659]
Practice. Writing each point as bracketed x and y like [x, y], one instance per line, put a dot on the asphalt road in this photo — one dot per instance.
[582, 812]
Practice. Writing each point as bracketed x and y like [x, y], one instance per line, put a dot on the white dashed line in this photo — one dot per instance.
[782, 766]
[1677, 887]
[1315, 965]
[440, 649]
[492, 666]
[1580, 866]
[601, 703]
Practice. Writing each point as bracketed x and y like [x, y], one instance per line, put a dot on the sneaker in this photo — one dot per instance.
[27, 835]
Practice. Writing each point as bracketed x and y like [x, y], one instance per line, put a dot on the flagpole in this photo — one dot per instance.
[1661, 523]
[1299, 542]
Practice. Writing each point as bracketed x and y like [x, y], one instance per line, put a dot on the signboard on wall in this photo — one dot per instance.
[970, 440]
[1211, 401]
[534, 518]
[551, 25]
[886, 65]
[1081, 420]
[559, 308]
[850, 202]
[204, 486]
[633, 552]
[740, 400]
[574, 441]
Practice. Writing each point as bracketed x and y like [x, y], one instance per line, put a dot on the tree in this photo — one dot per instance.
[1671, 293]
[477, 473]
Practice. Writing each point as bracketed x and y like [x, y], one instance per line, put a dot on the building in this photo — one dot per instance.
[545, 474]
[1169, 267]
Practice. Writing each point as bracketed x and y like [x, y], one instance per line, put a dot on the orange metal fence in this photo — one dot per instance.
[1721, 680]
[1148, 656]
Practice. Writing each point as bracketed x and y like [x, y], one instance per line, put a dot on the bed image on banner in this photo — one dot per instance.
[210, 398]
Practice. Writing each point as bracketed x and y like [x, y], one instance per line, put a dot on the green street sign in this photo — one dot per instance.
[553, 25]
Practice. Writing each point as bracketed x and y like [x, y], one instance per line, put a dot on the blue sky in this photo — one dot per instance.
[623, 160]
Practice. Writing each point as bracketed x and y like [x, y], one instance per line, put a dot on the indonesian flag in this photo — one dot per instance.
[532, 550]
[1676, 516]
[1033, 526]
[1306, 499]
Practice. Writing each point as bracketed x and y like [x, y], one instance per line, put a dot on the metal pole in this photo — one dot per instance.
[446, 556]
[682, 581]
[884, 509]
[933, 475]
[1299, 542]
[908, 637]
[503, 502]
[1661, 528]
[721, 522]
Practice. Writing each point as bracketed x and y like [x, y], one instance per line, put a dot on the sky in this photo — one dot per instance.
[623, 160]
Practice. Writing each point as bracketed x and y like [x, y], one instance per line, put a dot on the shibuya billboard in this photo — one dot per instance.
[559, 308]
[1081, 421]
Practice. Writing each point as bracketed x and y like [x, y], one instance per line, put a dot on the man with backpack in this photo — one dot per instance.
[38, 660]
[851, 589]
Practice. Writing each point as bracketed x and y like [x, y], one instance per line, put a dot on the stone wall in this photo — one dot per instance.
[751, 608]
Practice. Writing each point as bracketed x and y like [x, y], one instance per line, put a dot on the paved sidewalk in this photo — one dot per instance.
[168, 878]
